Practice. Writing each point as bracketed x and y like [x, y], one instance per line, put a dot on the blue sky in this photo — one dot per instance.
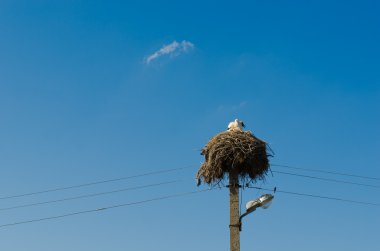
[79, 103]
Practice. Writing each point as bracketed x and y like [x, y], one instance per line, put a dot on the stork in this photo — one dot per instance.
[236, 125]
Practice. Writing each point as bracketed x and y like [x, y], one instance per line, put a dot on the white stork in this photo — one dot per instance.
[236, 125]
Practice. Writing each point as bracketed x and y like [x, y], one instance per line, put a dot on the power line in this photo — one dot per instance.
[87, 195]
[181, 168]
[179, 195]
[328, 172]
[327, 179]
[105, 208]
[318, 196]
[94, 183]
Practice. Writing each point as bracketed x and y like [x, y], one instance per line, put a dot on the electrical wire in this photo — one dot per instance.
[328, 172]
[105, 208]
[94, 183]
[327, 179]
[88, 195]
[241, 198]
[318, 196]
[179, 195]
[190, 166]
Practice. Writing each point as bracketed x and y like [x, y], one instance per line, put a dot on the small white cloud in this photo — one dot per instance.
[232, 108]
[172, 50]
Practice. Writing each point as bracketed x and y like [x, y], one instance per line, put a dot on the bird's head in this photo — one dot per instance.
[240, 123]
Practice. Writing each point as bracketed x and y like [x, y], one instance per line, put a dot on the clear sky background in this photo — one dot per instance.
[81, 100]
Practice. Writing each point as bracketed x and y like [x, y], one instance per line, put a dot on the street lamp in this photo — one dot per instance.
[263, 201]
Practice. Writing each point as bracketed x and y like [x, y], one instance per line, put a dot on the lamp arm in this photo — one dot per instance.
[242, 216]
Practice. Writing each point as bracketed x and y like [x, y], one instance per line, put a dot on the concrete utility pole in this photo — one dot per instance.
[234, 211]
[244, 158]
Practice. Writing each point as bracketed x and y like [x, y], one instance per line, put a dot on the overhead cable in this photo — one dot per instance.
[327, 172]
[318, 196]
[87, 196]
[105, 208]
[327, 179]
[94, 183]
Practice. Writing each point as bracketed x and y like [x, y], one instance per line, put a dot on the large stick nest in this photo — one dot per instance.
[235, 151]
